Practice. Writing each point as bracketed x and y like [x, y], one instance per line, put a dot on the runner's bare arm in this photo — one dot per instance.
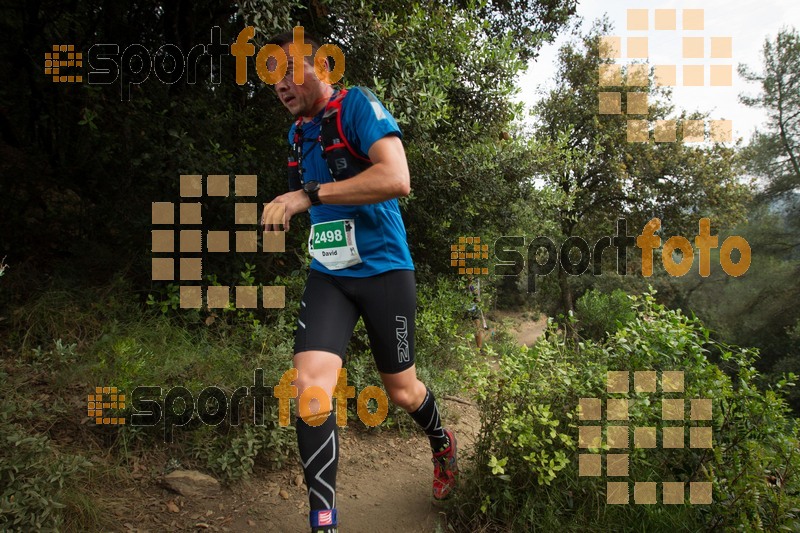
[387, 178]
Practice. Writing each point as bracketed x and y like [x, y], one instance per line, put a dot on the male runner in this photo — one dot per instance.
[371, 275]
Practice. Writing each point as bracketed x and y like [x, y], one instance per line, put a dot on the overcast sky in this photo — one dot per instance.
[748, 22]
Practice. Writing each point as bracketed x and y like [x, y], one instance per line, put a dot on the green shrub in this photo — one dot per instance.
[34, 476]
[525, 473]
[790, 364]
[440, 345]
[600, 314]
[232, 457]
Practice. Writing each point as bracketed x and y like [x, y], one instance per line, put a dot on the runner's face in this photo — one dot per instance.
[300, 99]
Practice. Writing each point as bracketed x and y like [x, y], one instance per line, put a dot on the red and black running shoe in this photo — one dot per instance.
[445, 469]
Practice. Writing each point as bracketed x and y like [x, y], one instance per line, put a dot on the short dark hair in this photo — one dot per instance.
[287, 37]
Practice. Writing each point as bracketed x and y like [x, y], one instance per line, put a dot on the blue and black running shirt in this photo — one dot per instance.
[379, 229]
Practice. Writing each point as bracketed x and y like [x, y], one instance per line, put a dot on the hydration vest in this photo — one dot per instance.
[343, 160]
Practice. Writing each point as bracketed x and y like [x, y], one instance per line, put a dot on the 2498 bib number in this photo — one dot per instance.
[328, 237]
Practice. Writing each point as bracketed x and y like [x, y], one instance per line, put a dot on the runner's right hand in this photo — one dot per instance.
[288, 205]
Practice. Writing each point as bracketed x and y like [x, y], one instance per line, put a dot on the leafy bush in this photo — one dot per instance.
[787, 365]
[601, 314]
[34, 476]
[441, 349]
[232, 457]
[525, 473]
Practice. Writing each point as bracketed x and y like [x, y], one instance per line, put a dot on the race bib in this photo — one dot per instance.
[334, 244]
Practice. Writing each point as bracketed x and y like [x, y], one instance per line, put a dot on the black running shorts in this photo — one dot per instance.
[331, 306]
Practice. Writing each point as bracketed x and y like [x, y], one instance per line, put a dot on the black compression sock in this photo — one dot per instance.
[427, 416]
[319, 452]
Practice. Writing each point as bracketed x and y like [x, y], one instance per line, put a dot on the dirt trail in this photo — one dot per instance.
[383, 483]
[526, 331]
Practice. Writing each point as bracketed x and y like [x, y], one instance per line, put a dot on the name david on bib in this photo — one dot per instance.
[334, 244]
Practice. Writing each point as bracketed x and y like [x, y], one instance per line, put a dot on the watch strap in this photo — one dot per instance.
[313, 195]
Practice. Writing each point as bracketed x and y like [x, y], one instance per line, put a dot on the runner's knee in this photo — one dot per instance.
[407, 397]
[316, 370]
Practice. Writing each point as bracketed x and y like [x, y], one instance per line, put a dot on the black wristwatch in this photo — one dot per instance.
[311, 188]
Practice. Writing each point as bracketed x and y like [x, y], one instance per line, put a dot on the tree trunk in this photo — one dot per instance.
[566, 299]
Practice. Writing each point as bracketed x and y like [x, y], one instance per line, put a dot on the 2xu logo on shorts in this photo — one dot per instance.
[403, 355]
